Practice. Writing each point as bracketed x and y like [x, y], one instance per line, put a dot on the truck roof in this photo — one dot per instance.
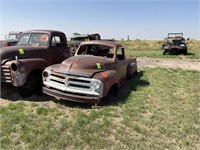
[84, 35]
[174, 35]
[42, 31]
[15, 32]
[80, 36]
[100, 42]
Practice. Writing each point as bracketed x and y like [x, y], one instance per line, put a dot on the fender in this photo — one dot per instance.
[20, 69]
[131, 68]
[109, 78]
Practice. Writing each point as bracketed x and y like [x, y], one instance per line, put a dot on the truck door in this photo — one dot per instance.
[58, 50]
[121, 64]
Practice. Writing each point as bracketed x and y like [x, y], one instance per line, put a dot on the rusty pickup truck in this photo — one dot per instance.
[22, 64]
[11, 39]
[98, 68]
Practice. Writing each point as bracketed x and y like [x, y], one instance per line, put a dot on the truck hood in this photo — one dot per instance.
[29, 51]
[84, 65]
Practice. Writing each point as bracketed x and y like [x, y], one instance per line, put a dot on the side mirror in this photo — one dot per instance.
[188, 39]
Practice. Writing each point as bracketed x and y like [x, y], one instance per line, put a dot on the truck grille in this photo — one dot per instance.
[71, 81]
[5, 74]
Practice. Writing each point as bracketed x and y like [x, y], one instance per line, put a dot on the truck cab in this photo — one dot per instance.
[76, 40]
[22, 64]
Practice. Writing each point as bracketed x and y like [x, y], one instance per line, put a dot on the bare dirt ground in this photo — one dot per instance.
[183, 63]
[9, 93]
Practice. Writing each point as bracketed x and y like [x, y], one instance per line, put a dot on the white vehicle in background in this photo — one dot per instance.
[11, 39]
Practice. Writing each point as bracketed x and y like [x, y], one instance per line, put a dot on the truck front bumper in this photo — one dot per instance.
[71, 97]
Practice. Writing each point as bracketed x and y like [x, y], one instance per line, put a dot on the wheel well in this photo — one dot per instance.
[114, 89]
[37, 72]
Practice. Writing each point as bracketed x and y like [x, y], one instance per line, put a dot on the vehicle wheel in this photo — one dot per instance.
[164, 51]
[185, 52]
[32, 86]
[113, 90]
[129, 75]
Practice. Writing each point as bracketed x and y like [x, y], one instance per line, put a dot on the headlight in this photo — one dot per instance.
[182, 44]
[14, 67]
[96, 85]
[45, 74]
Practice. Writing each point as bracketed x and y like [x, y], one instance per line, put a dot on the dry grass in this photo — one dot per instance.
[158, 109]
[152, 48]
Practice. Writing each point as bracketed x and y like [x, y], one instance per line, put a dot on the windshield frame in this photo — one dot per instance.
[28, 39]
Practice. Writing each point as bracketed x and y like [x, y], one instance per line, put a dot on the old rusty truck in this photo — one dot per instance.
[76, 40]
[22, 64]
[175, 44]
[11, 39]
[98, 68]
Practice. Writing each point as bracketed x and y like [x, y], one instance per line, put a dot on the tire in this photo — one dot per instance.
[164, 52]
[32, 86]
[129, 75]
[185, 52]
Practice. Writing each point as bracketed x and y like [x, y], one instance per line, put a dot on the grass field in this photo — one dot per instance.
[158, 109]
[152, 48]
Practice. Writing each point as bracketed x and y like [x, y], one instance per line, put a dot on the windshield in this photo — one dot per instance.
[96, 50]
[34, 38]
[173, 35]
[12, 36]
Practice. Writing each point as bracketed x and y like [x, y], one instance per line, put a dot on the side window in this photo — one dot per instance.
[82, 50]
[24, 39]
[120, 53]
[56, 41]
[109, 52]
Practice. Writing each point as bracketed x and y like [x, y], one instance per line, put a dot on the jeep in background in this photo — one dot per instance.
[22, 64]
[175, 44]
[78, 38]
[11, 39]
[98, 68]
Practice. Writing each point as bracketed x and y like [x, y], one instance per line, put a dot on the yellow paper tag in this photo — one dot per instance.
[98, 65]
[21, 51]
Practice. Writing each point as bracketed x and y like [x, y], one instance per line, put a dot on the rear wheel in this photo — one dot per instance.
[32, 86]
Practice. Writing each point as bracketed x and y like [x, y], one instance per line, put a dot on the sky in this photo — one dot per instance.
[138, 19]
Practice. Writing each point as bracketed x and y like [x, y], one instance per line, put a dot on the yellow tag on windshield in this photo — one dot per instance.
[98, 65]
[21, 51]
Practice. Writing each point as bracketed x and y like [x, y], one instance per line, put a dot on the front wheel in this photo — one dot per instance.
[185, 52]
[32, 86]
[164, 51]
